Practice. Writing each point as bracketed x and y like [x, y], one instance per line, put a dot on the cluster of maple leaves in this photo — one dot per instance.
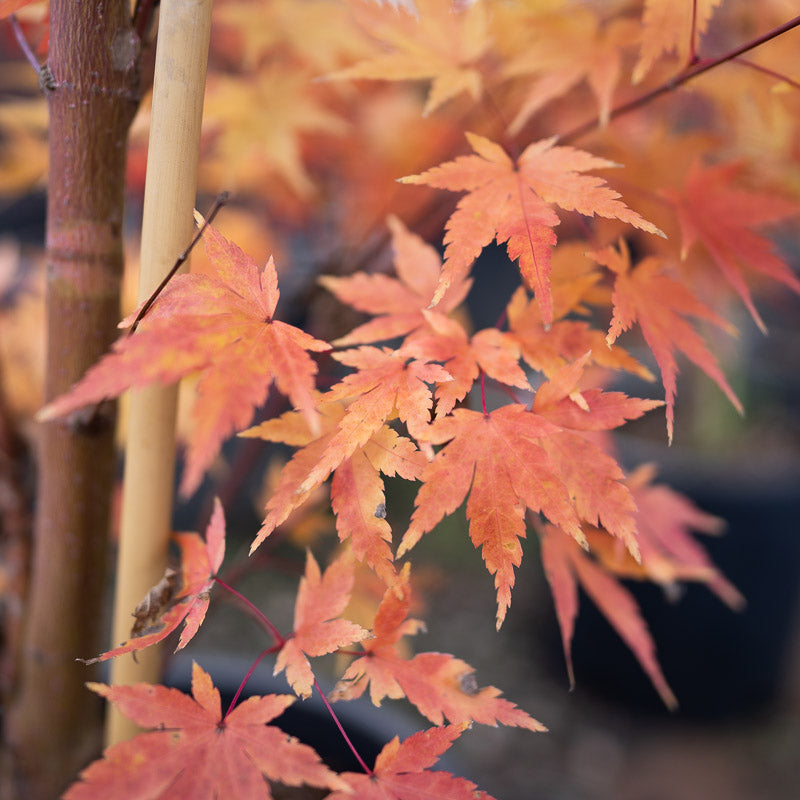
[412, 400]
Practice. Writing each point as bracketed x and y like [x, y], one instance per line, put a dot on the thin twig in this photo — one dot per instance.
[218, 203]
[682, 77]
[779, 76]
[19, 34]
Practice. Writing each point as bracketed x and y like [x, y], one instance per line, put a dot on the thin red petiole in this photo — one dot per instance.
[280, 641]
[247, 678]
[483, 393]
[342, 730]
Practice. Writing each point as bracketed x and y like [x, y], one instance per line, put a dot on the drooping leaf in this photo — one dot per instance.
[723, 217]
[669, 551]
[318, 628]
[512, 202]
[402, 771]
[193, 752]
[659, 304]
[179, 597]
[221, 326]
[566, 566]
[400, 301]
[439, 685]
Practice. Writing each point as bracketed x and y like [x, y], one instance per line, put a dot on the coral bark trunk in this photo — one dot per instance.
[92, 92]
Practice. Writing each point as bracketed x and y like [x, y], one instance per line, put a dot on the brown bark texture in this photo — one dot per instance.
[53, 727]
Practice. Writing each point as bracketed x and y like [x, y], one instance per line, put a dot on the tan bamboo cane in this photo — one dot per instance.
[171, 184]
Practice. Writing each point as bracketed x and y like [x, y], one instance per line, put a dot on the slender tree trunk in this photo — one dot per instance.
[92, 92]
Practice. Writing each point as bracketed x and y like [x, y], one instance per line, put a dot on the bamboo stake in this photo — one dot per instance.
[171, 184]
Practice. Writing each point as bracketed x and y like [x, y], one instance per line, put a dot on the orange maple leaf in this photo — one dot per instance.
[222, 327]
[163, 610]
[549, 349]
[195, 752]
[564, 563]
[722, 217]
[438, 41]
[402, 771]
[388, 384]
[317, 627]
[399, 301]
[648, 295]
[490, 350]
[514, 458]
[512, 202]
[668, 26]
[439, 685]
[357, 492]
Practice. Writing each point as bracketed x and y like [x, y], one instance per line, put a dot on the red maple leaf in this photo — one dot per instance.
[564, 564]
[194, 752]
[317, 627]
[647, 295]
[222, 327]
[713, 211]
[439, 685]
[402, 771]
[163, 610]
[512, 202]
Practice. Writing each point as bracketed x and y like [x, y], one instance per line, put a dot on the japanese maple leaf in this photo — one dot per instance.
[402, 771]
[512, 459]
[400, 301]
[439, 42]
[317, 627]
[439, 685]
[549, 349]
[668, 27]
[512, 202]
[357, 491]
[572, 48]
[669, 551]
[660, 304]
[221, 326]
[194, 752]
[490, 350]
[164, 609]
[8, 7]
[712, 210]
[388, 383]
[566, 565]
